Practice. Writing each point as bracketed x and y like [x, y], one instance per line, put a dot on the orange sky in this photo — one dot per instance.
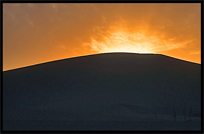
[37, 33]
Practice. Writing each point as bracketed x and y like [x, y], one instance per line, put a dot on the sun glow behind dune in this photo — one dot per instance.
[54, 31]
[135, 42]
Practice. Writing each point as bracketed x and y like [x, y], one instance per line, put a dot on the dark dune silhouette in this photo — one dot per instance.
[109, 87]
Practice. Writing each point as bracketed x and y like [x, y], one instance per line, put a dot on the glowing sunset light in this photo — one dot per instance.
[121, 41]
[121, 45]
[35, 33]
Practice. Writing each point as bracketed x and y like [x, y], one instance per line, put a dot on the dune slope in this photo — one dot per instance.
[102, 87]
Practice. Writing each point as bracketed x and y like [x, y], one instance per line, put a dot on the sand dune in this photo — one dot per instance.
[101, 87]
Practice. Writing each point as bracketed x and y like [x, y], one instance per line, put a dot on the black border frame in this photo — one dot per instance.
[101, 1]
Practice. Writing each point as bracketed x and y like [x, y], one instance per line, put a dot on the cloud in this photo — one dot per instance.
[195, 53]
[157, 26]
[121, 41]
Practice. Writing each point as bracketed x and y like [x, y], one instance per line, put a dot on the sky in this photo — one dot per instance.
[35, 33]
